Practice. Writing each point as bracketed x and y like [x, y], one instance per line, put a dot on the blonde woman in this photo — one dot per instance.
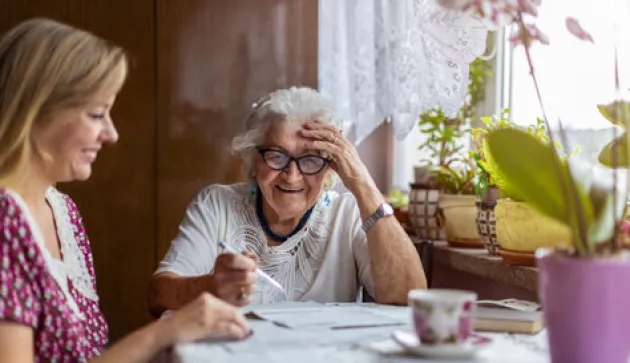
[57, 86]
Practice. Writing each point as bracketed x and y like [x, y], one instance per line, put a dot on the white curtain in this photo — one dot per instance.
[392, 59]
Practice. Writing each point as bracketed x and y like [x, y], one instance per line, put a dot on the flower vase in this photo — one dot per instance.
[586, 304]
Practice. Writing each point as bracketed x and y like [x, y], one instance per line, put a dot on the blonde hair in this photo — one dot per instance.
[292, 105]
[46, 68]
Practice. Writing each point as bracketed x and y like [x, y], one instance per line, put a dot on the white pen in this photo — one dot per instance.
[260, 272]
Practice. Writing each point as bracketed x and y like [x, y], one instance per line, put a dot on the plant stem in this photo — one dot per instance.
[616, 244]
[581, 244]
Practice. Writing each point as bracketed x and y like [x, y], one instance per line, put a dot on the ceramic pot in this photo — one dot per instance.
[457, 217]
[520, 228]
[486, 226]
[585, 304]
[423, 175]
[423, 204]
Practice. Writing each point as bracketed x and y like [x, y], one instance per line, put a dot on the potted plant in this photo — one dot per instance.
[457, 204]
[584, 289]
[487, 189]
[619, 147]
[518, 228]
[445, 137]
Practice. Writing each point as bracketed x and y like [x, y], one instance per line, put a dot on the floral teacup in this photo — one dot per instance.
[442, 316]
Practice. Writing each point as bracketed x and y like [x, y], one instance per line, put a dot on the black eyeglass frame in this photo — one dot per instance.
[290, 159]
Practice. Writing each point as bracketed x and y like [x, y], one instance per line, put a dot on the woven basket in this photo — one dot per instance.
[423, 204]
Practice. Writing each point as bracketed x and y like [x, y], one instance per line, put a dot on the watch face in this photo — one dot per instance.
[388, 209]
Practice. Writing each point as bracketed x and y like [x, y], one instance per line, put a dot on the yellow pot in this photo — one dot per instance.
[520, 228]
[457, 219]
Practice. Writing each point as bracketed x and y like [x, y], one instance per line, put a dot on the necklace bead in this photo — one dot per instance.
[265, 226]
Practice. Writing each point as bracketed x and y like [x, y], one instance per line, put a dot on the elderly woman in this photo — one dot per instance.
[318, 245]
[57, 86]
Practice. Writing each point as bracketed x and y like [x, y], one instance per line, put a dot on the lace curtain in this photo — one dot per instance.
[389, 60]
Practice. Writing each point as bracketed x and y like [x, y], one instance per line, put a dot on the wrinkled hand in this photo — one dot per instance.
[234, 277]
[345, 158]
[206, 317]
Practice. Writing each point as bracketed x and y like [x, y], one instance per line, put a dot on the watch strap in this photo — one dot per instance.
[383, 210]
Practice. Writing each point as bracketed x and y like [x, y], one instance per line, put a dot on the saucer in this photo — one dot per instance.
[409, 340]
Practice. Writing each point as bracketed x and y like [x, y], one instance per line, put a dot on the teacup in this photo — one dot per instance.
[442, 316]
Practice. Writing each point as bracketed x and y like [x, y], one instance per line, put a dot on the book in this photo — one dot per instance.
[506, 320]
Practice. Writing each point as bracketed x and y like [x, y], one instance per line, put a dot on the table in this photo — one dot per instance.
[312, 343]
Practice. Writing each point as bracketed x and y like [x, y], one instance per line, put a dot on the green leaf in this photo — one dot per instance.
[602, 228]
[580, 211]
[618, 112]
[618, 145]
[528, 166]
[507, 191]
[448, 133]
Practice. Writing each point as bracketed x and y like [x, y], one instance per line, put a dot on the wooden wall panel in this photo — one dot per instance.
[118, 202]
[215, 58]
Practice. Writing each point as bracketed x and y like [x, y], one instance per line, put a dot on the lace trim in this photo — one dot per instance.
[295, 263]
[51, 265]
[73, 258]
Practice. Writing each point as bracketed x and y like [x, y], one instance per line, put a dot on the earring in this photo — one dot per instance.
[327, 198]
[252, 190]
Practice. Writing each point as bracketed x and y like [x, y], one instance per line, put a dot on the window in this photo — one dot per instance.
[574, 75]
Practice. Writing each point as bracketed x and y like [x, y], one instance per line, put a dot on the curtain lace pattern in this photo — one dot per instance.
[390, 60]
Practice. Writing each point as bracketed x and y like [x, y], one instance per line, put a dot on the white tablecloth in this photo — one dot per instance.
[271, 343]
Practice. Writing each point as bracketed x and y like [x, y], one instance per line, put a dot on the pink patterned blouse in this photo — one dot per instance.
[47, 294]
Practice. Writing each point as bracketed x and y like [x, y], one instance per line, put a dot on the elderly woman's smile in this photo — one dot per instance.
[289, 175]
[290, 190]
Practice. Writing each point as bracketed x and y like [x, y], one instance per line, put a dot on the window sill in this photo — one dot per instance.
[477, 262]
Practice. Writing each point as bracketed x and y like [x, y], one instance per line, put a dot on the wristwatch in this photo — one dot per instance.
[383, 210]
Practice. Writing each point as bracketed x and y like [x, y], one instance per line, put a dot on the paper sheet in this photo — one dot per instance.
[328, 317]
[283, 305]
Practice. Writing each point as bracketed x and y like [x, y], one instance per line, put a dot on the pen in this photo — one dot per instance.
[260, 272]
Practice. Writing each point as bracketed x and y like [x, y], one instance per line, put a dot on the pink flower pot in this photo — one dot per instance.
[586, 303]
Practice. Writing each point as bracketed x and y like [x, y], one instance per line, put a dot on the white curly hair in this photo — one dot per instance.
[292, 105]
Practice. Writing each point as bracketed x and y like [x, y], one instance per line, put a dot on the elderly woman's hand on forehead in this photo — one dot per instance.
[345, 159]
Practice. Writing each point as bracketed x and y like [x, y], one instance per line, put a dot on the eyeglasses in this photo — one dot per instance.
[307, 164]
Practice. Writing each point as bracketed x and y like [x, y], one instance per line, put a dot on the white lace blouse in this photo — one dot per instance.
[328, 261]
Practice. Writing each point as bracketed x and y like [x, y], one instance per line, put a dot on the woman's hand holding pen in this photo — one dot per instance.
[234, 277]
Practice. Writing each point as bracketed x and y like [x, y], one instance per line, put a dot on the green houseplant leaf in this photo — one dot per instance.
[617, 112]
[528, 166]
[495, 175]
[618, 146]
[599, 182]
[523, 161]
[603, 227]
